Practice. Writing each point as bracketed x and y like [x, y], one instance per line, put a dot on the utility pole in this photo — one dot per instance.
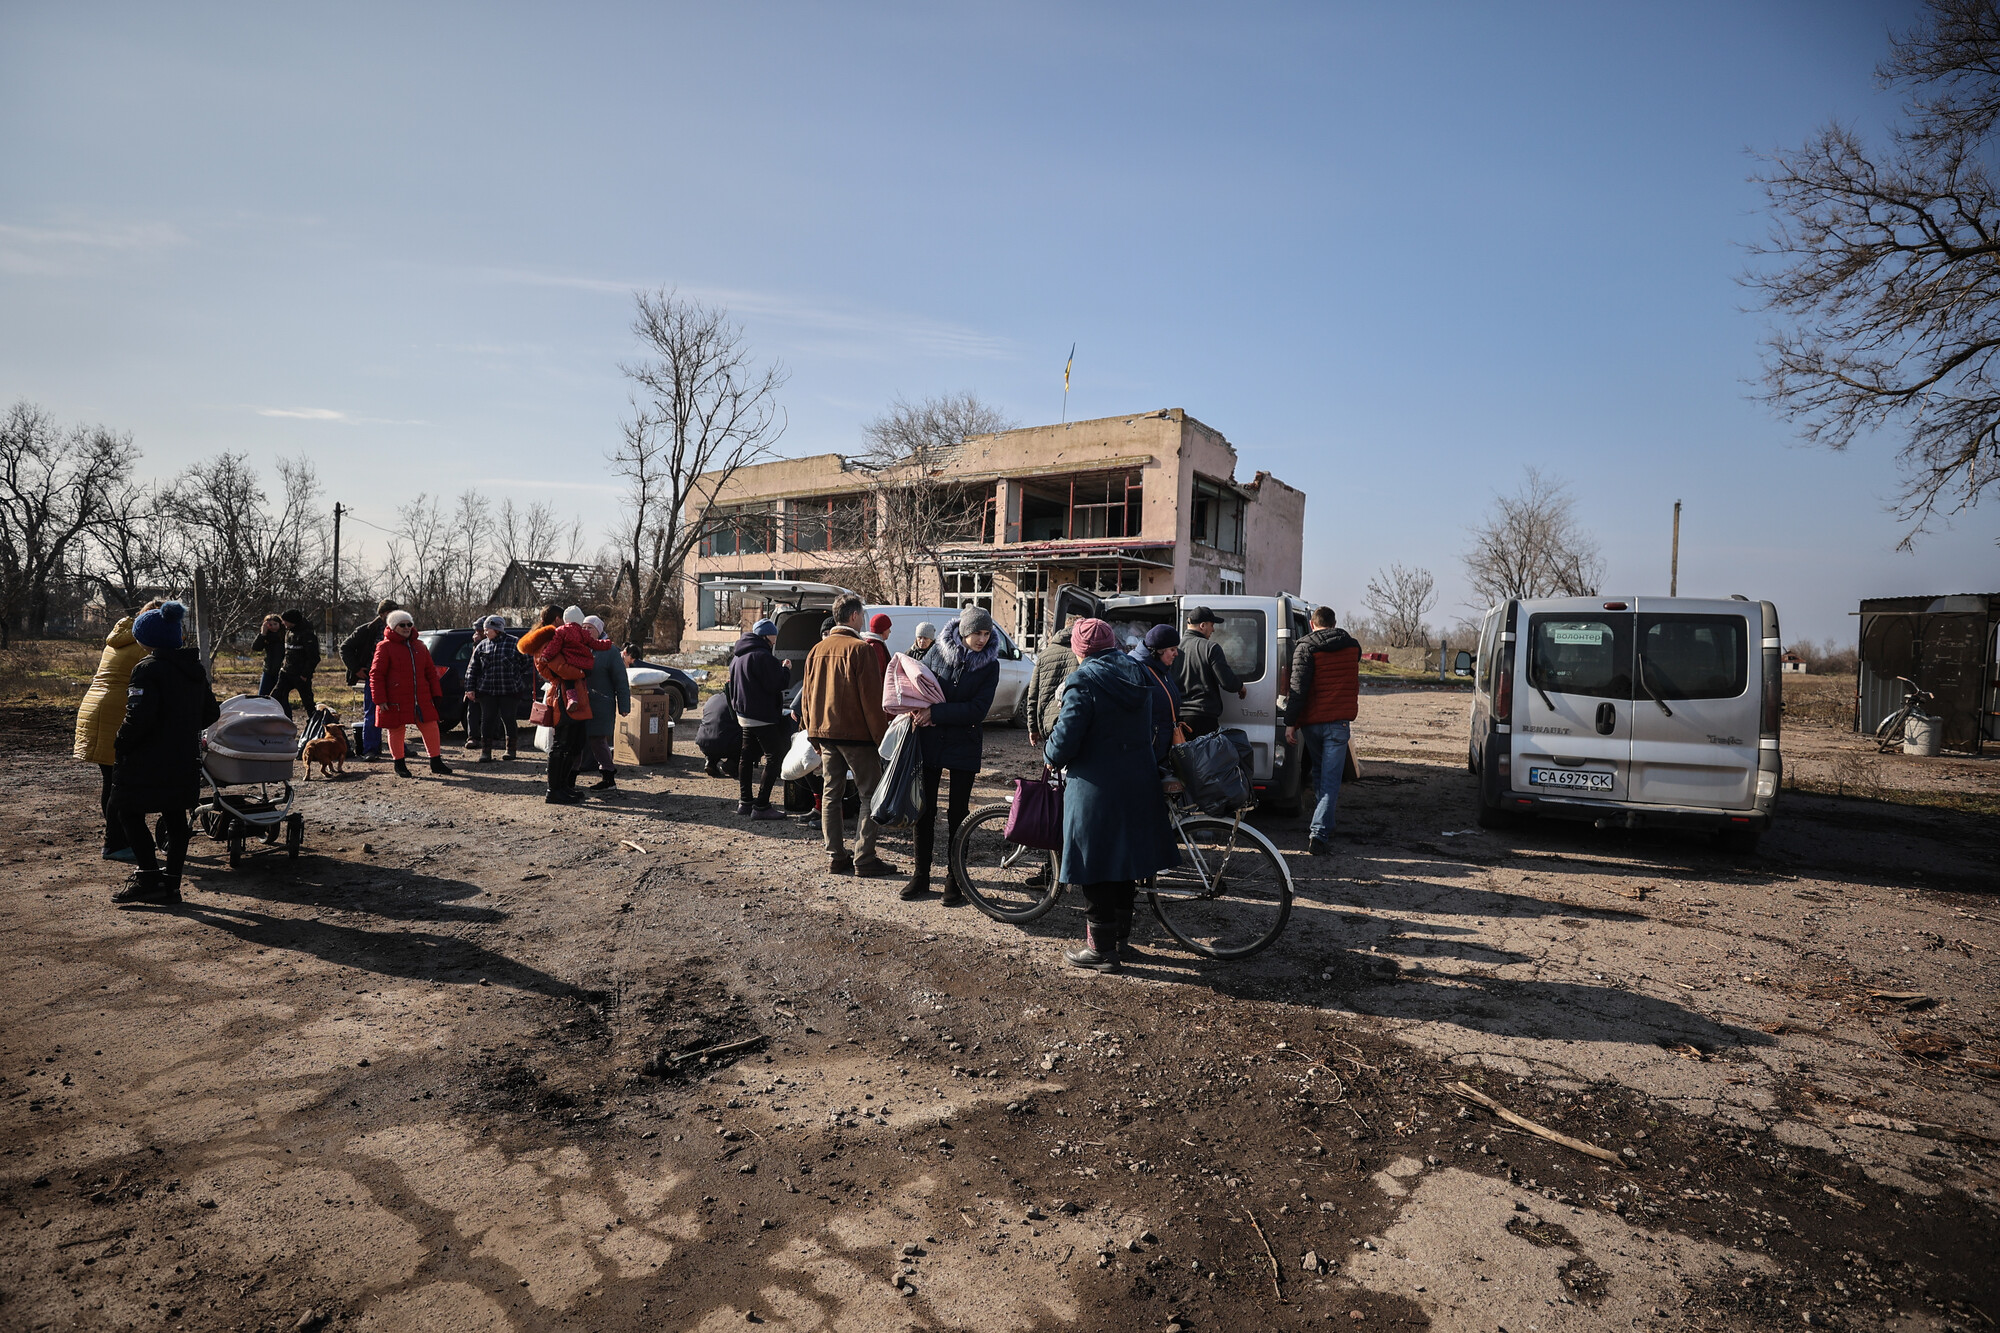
[204, 635]
[1674, 569]
[333, 607]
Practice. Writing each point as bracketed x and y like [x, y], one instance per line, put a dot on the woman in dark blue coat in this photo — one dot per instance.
[966, 662]
[1115, 827]
[159, 753]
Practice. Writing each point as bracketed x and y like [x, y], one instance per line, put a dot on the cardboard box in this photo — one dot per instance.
[646, 734]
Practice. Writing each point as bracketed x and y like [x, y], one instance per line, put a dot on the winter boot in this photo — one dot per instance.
[438, 765]
[918, 887]
[745, 808]
[1125, 931]
[147, 886]
[767, 811]
[606, 782]
[952, 897]
[1098, 954]
[563, 796]
[403, 769]
[486, 755]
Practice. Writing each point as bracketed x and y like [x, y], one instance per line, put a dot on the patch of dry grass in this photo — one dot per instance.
[1820, 700]
[47, 671]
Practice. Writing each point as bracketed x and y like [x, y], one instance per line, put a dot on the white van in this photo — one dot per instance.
[1632, 712]
[799, 608]
[1257, 635]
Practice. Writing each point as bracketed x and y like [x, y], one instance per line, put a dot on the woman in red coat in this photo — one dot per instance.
[404, 685]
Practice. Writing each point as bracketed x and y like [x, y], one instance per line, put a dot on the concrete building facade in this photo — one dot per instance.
[1122, 505]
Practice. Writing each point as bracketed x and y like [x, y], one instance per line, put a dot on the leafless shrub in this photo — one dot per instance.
[1887, 270]
[1531, 545]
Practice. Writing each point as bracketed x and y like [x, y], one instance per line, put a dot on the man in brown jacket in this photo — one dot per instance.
[842, 708]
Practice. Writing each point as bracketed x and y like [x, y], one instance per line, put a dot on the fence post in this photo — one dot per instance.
[204, 640]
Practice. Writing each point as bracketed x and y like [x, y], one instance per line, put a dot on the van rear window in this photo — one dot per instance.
[1694, 657]
[1592, 656]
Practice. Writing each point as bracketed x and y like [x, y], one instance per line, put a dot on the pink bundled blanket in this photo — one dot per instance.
[908, 686]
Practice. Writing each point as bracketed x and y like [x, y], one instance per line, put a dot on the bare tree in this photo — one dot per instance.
[1887, 270]
[1400, 598]
[1531, 545]
[536, 532]
[54, 485]
[919, 510]
[219, 519]
[703, 410]
[129, 546]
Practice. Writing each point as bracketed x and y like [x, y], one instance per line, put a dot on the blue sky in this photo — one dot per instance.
[1394, 252]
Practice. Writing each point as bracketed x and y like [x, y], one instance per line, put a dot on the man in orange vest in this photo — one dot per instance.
[1324, 697]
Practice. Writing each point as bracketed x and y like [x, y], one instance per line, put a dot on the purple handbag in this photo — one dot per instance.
[1036, 817]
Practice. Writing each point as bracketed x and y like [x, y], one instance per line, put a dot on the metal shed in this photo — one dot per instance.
[1949, 646]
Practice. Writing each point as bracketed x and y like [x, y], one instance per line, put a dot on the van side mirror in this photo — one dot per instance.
[1462, 664]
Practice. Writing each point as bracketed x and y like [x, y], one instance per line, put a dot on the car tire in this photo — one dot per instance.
[1737, 841]
[676, 706]
[1019, 717]
[1495, 817]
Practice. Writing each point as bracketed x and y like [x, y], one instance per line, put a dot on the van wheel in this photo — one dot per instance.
[1492, 816]
[1737, 841]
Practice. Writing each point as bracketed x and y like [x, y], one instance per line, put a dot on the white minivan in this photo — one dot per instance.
[1631, 712]
[799, 608]
[1257, 635]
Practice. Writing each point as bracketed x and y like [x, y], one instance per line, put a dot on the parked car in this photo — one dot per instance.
[1256, 634]
[452, 650]
[800, 608]
[1633, 712]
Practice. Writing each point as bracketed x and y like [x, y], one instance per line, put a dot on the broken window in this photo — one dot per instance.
[827, 523]
[1216, 518]
[740, 530]
[1103, 504]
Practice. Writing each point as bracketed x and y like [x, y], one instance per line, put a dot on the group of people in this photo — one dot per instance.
[291, 656]
[1106, 719]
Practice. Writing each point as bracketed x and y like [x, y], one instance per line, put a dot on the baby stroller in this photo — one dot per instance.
[246, 761]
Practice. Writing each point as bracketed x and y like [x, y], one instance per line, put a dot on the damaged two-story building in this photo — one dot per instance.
[1119, 505]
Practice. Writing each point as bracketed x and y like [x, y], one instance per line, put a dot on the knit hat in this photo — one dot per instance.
[1162, 636]
[293, 617]
[494, 622]
[926, 630]
[594, 625]
[1091, 636]
[763, 627]
[400, 618]
[879, 624]
[573, 615]
[161, 627]
[973, 619]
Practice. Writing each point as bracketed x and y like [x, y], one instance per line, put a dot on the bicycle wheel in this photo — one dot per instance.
[1230, 896]
[1006, 881]
[1889, 732]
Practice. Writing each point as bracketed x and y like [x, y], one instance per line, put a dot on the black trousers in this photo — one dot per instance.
[173, 829]
[1109, 906]
[960, 800]
[1201, 726]
[770, 741]
[564, 752]
[491, 716]
[282, 692]
[114, 827]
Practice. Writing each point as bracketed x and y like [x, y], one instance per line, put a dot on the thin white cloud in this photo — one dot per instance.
[305, 413]
[859, 332]
[65, 249]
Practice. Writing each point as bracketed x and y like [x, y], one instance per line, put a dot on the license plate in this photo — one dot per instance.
[1575, 779]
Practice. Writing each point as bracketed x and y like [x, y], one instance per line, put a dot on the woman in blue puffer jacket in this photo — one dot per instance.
[966, 662]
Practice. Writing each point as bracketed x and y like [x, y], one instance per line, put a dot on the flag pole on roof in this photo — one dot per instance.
[1066, 365]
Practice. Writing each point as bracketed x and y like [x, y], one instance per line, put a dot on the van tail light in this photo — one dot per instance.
[1284, 682]
[1503, 684]
[1773, 704]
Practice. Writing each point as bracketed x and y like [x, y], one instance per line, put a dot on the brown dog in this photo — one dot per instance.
[329, 752]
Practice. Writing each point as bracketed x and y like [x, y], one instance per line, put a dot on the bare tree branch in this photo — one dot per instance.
[1399, 599]
[908, 452]
[1531, 545]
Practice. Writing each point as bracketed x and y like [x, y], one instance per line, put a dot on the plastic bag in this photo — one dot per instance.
[909, 685]
[899, 796]
[545, 739]
[800, 760]
[893, 737]
[1211, 768]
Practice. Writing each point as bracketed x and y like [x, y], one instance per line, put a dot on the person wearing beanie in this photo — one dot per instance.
[497, 683]
[966, 662]
[877, 634]
[606, 685]
[404, 682]
[1157, 655]
[757, 697]
[158, 769]
[357, 654]
[921, 641]
[1115, 826]
[97, 719]
[301, 661]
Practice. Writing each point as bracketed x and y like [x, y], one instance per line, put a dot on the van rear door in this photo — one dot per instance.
[1572, 729]
[1246, 632]
[1696, 698]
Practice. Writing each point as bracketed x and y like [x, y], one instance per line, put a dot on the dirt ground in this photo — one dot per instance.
[423, 1076]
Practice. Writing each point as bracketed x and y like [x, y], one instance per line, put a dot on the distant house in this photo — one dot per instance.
[1792, 664]
[530, 585]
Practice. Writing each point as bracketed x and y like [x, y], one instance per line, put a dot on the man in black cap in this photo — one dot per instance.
[1204, 675]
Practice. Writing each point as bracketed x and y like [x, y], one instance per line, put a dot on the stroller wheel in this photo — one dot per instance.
[237, 848]
[295, 835]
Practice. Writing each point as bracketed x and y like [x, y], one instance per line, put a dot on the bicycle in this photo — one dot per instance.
[1916, 700]
[1230, 896]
